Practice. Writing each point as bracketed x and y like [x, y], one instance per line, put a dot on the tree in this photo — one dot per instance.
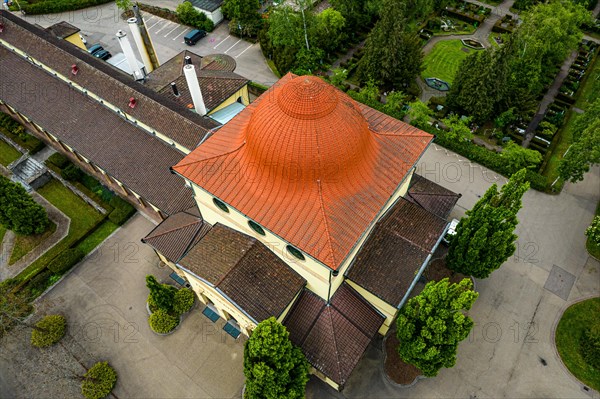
[338, 76]
[18, 211]
[485, 236]
[273, 367]
[244, 16]
[432, 324]
[161, 295]
[584, 152]
[395, 104]
[458, 128]
[124, 5]
[517, 157]
[357, 13]
[419, 114]
[393, 55]
[330, 29]
[593, 231]
[188, 15]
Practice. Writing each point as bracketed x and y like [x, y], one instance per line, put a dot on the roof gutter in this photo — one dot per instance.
[422, 268]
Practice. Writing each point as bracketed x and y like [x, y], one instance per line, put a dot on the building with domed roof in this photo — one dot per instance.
[308, 210]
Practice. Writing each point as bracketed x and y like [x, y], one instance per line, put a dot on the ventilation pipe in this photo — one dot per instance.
[175, 89]
[145, 36]
[138, 74]
[194, 87]
[187, 60]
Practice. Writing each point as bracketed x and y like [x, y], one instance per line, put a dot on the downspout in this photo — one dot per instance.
[422, 269]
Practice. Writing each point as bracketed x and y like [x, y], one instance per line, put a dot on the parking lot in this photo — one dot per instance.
[100, 25]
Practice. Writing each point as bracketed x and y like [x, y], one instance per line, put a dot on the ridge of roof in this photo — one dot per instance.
[325, 222]
[150, 236]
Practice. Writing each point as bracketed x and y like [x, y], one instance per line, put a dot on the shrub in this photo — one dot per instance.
[18, 211]
[40, 281]
[162, 295]
[71, 173]
[65, 260]
[593, 231]
[120, 215]
[48, 7]
[48, 331]
[99, 381]
[58, 160]
[183, 300]
[162, 322]
[188, 15]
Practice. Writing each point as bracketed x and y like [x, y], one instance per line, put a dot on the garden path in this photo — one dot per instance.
[62, 229]
[548, 98]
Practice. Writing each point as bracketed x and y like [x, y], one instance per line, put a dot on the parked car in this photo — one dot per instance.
[103, 55]
[193, 36]
[83, 40]
[451, 232]
[95, 48]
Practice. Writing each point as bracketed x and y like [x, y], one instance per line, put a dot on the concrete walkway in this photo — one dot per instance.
[62, 229]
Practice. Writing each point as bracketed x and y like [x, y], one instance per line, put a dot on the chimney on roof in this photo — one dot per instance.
[187, 60]
[175, 90]
[138, 74]
[194, 87]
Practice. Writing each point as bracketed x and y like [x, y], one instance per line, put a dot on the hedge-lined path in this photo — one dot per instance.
[62, 229]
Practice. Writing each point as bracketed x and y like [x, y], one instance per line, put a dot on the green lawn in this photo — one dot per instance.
[24, 244]
[592, 248]
[2, 232]
[8, 153]
[83, 219]
[568, 334]
[590, 86]
[443, 60]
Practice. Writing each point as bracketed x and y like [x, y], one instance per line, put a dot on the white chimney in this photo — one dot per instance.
[194, 86]
[130, 56]
[139, 42]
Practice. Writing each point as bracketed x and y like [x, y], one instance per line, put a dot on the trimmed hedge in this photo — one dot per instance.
[162, 322]
[123, 210]
[71, 173]
[66, 260]
[55, 6]
[48, 331]
[59, 160]
[183, 301]
[99, 381]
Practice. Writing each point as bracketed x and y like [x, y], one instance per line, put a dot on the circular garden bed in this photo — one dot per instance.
[437, 270]
[396, 370]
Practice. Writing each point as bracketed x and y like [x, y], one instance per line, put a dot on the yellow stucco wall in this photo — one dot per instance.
[243, 92]
[76, 40]
[385, 308]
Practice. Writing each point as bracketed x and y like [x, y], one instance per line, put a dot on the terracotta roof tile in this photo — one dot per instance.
[177, 233]
[398, 246]
[245, 270]
[431, 196]
[309, 164]
[333, 337]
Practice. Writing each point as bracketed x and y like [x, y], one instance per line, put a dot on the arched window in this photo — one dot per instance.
[221, 205]
[295, 252]
[256, 227]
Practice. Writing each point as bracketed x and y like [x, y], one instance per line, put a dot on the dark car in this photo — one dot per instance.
[95, 48]
[103, 55]
[193, 36]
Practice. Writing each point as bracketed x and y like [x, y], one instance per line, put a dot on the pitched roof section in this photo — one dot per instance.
[398, 246]
[431, 196]
[207, 5]
[177, 233]
[62, 29]
[109, 83]
[333, 337]
[95, 132]
[245, 270]
[309, 164]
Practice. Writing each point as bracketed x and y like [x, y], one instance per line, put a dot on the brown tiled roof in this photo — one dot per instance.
[431, 196]
[177, 233]
[333, 337]
[245, 270]
[184, 126]
[308, 163]
[62, 29]
[398, 246]
[138, 160]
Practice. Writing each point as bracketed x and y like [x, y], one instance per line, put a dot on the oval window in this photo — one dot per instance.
[295, 252]
[256, 227]
[221, 205]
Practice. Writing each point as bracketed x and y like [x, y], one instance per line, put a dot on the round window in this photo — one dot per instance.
[256, 227]
[221, 205]
[295, 252]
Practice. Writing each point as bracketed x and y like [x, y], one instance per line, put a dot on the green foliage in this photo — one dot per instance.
[161, 295]
[120, 215]
[485, 237]
[505, 118]
[458, 128]
[18, 211]
[518, 157]
[273, 367]
[59, 160]
[590, 345]
[188, 15]
[99, 381]
[124, 5]
[593, 230]
[358, 14]
[162, 322]
[55, 6]
[71, 173]
[338, 77]
[183, 300]
[432, 324]
[419, 114]
[67, 259]
[48, 331]
[243, 15]
[396, 102]
[330, 30]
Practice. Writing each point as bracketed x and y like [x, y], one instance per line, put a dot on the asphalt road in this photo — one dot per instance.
[100, 25]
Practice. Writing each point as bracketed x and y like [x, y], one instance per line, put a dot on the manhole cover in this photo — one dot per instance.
[560, 282]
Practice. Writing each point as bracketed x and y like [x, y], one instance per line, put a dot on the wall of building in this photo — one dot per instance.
[216, 16]
[76, 40]
[243, 93]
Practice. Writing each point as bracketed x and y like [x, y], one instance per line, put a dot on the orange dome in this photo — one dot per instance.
[307, 129]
